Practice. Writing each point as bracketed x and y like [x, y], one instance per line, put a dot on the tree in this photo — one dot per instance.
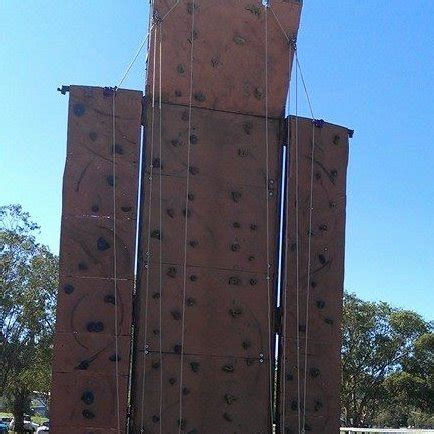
[387, 364]
[28, 286]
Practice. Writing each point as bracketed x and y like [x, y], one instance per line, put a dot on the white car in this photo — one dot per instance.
[44, 428]
[29, 426]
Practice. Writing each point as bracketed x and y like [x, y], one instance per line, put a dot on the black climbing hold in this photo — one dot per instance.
[185, 390]
[329, 321]
[234, 280]
[95, 327]
[172, 381]
[171, 272]
[171, 213]
[191, 301]
[110, 180]
[323, 228]
[82, 266]
[294, 405]
[200, 97]
[114, 358]
[253, 227]
[155, 419]
[95, 208]
[228, 369]
[193, 278]
[236, 225]
[229, 399]
[156, 164]
[195, 366]
[190, 196]
[177, 348]
[180, 68]
[193, 139]
[119, 149]
[236, 196]
[68, 289]
[247, 127]
[246, 345]
[194, 170]
[156, 295]
[243, 152]
[88, 414]
[156, 234]
[88, 397]
[126, 208]
[176, 315]
[253, 282]
[320, 304]
[78, 109]
[155, 365]
[314, 372]
[102, 244]
[193, 243]
[227, 417]
[322, 259]
[110, 299]
[83, 365]
[235, 247]
[235, 313]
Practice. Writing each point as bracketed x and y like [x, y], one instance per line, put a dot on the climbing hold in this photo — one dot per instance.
[88, 397]
[68, 289]
[102, 244]
[78, 109]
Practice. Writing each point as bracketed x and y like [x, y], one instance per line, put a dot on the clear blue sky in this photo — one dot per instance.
[368, 65]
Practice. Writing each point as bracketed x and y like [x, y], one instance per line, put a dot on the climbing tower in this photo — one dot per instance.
[202, 273]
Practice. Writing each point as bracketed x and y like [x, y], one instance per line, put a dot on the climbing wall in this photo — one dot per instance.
[316, 367]
[203, 312]
[85, 378]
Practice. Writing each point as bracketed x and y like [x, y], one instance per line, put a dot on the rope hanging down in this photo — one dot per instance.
[115, 283]
[267, 199]
[301, 410]
[184, 291]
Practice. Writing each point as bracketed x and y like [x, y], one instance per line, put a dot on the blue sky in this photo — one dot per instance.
[368, 65]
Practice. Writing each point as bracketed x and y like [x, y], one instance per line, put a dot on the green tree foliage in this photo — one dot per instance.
[28, 285]
[387, 361]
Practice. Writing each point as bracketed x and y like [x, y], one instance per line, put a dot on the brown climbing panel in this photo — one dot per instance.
[228, 327]
[229, 53]
[84, 375]
[226, 338]
[323, 322]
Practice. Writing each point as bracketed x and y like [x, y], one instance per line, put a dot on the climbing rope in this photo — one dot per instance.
[115, 282]
[180, 422]
[267, 200]
[148, 241]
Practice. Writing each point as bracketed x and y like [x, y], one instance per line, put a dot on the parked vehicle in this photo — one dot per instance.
[29, 426]
[44, 428]
[4, 428]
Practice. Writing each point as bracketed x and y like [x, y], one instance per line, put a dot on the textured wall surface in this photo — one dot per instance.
[84, 397]
[319, 299]
[203, 314]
